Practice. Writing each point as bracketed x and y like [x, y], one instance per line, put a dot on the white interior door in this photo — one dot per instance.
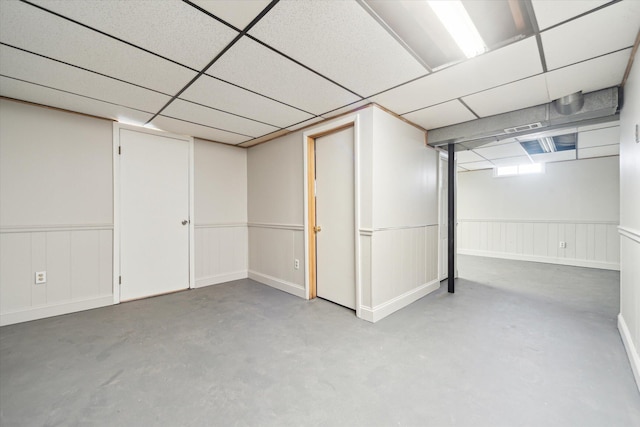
[335, 243]
[444, 219]
[154, 214]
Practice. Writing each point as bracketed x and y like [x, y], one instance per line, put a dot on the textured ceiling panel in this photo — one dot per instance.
[513, 96]
[209, 117]
[347, 108]
[513, 62]
[467, 157]
[30, 28]
[552, 12]
[606, 150]
[510, 161]
[305, 123]
[36, 69]
[184, 128]
[512, 149]
[557, 156]
[224, 96]
[595, 138]
[612, 28]
[54, 98]
[598, 73]
[340, 40]
[445, 114]
[237, 13]
[172, 29]
[250, 65]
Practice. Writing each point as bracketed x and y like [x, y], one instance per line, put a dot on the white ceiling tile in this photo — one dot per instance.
[595, 138]
[341, 41]
[510, 97]
[36, 69]
[595, 74]
[257, 68]
[237, 13]
[206, 116]
[467, 157]
[172, 29]
[614, 123]
[445, 114]
[513, 149]
[461, 169]
[181, 127]
[557, 156]
[29, 28]
[478, 165]
[347, 108]
[224, 96]
[513, 62]
[306, 123]
[54, 98]
[510, 161]
[605, 150]
[606, 30]
[552, 12]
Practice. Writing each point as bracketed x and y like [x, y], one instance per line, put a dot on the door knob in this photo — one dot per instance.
[317, 228]
[185, 222]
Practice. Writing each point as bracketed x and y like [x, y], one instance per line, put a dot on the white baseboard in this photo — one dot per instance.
[383, 310]
[220, 278]
[549, 260]
[632, 352]
[54, 310]
[280, 284]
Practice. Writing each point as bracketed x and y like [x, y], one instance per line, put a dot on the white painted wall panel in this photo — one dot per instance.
[58, 271]
[15, 271]
[629, 319]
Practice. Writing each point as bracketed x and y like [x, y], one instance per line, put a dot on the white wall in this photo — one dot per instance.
[397, 224]
[525, 217]
[221, 234]
[56, 212]
[629, 318]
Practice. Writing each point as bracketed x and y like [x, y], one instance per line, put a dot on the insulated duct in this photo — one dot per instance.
[597, 107]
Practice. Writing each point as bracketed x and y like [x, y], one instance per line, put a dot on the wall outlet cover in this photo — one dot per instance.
[41, 277]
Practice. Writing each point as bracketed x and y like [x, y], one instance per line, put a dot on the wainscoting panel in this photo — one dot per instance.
[588, 244]
[221, 253]
[78, 263]
[272, 251]
[404, 267]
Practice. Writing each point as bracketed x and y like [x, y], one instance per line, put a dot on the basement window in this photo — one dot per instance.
[526, 169]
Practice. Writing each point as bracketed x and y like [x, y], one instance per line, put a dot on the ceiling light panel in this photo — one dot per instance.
[224, 96]
[30, 28]
[237, 13]
[588, 76]
[599, 137]
[500, 22]
[510, 97]
[181, 127]
[206, 116]
[36, 69]
[514, 62]
[458, 23]
[54, 98]
[341, 41]
[512, 149]
[172, 29]
[606, 30]
[257, 68]
[445, 114]
[552, 12]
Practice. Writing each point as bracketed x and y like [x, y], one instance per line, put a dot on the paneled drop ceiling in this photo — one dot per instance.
[237, 72]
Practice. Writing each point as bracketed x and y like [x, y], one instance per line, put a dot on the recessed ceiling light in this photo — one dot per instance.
[458, 23]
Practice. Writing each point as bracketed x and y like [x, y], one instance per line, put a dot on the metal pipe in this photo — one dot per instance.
[451, 194]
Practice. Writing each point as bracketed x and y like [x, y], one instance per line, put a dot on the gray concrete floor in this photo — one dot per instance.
[519, 344]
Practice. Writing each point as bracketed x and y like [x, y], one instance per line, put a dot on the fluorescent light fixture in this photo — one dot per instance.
[547, 144]
[458, 23]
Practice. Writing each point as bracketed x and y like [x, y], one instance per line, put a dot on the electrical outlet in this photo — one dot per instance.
[296, 264]
[563, 245]
[41, 277]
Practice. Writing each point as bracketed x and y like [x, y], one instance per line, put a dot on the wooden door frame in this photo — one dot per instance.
[116, 201]
[309, 141]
